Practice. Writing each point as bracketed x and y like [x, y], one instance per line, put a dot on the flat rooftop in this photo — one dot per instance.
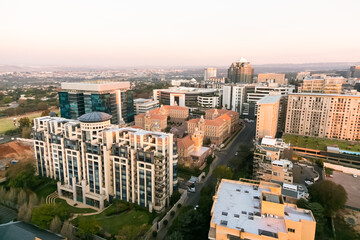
[136, 131]
[325, 95]
[238, 206]
[188, 90]
[270, 99]
[96, 86]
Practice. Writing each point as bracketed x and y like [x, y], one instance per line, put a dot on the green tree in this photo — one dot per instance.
[21, 175]
[175, 236]
[330, 195]
[88, 227]
[22, 197]
[24, 122]
[44, 214]
[55, 225]
[223, 172]
[26, 132]
[67, 230]
[7, 100]
[45, 113]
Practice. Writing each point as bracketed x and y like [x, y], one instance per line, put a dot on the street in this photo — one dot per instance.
[244, 138]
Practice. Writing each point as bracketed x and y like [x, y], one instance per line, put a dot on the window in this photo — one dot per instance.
[291, 230]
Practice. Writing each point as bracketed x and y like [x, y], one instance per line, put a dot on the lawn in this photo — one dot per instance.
[320, 143]
[8, 123]
[46, 189]
[73, 209]
[138, 219]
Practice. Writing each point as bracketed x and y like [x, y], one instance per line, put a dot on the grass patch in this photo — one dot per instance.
[186, 173]
[44, 190]
[72, 209]
[320, 143]
[135, 218]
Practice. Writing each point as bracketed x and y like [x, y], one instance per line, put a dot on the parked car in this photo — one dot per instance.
[354, 175]
[192, 190]
[196, 207]
[236, 153]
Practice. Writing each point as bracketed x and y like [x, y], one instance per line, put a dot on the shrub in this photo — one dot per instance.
[172, 213]
[165, 222]
[179, 205]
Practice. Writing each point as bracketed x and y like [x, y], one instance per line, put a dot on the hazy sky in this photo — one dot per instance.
[177, 33]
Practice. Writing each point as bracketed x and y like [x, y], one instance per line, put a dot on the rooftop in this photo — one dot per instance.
[188, 90]
[324, 95]
[270, 99]
[94, 117]
[238, 206]
[136, 131]
[95, 86]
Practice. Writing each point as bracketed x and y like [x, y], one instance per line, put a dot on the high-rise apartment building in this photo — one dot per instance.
[271, 78]
[323, 84]
[113, 98]
[94, 161]
[234, 96]
[254, 210]
[209, 73]
[240, 72]
[324, 115]
[268, 112]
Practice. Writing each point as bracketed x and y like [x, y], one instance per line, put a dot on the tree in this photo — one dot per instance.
[22, 211]
[22, 197]
[42, 106]
[207, 141]
[88, 227]
[26, 132]
[330, 195]
[44, 214]
[67, 230]
[21, 175]
[165, 222]
[24, 122]
[131, 232]
[33, 200]
[223, 172]
[175, 236]
[45, 113]
[55, 225]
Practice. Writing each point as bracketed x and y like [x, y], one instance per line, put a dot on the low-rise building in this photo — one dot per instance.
[272, 78]
[142, 105]
[254, 210]
[322, 84]
[156, 119]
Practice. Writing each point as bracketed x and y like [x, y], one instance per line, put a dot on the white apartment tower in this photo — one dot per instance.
[95, 161]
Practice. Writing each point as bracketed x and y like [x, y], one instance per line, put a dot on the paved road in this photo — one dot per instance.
[244, 138]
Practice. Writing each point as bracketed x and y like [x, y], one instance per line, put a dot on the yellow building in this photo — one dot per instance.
[272, 78]
[255, 210]
[324, 115]
[322, 84]
[267, 116]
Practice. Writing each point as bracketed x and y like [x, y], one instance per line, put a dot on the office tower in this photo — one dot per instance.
[234, 96]
[186, 96]
[142, 105]
[113, 98]
[271, 78]
[240, 72]
[355, 71]
[268, 112]
[94, 161]
[209, 73]
[322, 84]
[249, 209]
[324, 115]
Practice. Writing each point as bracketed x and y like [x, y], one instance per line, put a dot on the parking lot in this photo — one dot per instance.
[351, 185]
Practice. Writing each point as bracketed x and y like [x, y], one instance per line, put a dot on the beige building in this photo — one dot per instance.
[241, 71]
[156, 119]
[256, 210]
[324, 115]
[322, 84]
[272, 78]
[217, 125]
[268, 112]
[94, 161]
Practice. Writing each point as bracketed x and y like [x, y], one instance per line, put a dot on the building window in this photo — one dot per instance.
[291, 230]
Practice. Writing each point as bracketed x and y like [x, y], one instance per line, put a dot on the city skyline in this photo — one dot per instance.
[188, 34]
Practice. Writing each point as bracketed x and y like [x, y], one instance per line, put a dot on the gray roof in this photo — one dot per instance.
[270, 99]
[25, 231]
[94, 117]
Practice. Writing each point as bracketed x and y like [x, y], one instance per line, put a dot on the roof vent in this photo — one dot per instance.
[223, 222]
[224, 213]
[243, 212]
[236, 215]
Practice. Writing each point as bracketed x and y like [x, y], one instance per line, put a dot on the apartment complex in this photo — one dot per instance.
[253, 210]
[94, 161]
[209, 73]
[324, 115]
[114, 98]
[217, 125]
[322, 84]
[183, 96]
[271, 78]
[156, 119]
[241, 72]
[142, 105]
[235, 96]
[268, 112]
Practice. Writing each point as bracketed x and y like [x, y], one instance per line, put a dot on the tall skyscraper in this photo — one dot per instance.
[95, 161]
[209, 73]
[241, 71]
[114, 98]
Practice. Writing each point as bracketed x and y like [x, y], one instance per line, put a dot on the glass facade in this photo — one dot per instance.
[73, 105]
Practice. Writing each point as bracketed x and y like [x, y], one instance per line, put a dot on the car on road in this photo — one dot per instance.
[308, 183]
[236, 153]
[192, 190]
[196, 207]
[354, 175]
